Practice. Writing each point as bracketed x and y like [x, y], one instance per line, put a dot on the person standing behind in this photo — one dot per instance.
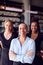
[37, 36]
[5, 40]
[22, 48]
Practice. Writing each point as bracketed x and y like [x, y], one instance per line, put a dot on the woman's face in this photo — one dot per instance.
[8, 26]
[34, 27]
[22, 30]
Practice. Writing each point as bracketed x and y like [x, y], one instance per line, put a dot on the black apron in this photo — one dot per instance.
[5, 57]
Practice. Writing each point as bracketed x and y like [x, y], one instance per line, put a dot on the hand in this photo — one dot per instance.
[41, 53]
[1, 44]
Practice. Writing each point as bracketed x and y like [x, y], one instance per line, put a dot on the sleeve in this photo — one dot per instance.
[19, 57]
[30, 59]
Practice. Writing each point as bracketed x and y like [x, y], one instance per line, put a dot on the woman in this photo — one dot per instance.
[5, 40]
[22, 52]
[38, 37]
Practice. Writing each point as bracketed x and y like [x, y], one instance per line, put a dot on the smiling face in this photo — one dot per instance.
[8, 26]
[34, 27]
[22, 29]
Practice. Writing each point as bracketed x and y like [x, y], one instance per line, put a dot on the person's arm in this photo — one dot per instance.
[1, 44]
[29, 56]
[29, 53]
[15, 57]
[41, 54]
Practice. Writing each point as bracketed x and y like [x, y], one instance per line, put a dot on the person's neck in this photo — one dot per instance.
[34, 33]
[7, 32]
[22, 39]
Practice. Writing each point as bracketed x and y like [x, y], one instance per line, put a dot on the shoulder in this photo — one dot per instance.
[40, 35]
[14, 40]
[31, 43]
[30, 40]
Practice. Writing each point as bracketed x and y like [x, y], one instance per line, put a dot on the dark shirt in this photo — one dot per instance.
[5, 42]
[38, 41]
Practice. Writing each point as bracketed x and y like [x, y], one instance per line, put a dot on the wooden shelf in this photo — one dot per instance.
[12, 15]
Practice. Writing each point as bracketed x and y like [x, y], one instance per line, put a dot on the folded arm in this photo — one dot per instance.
[29, 56]
[15, 57]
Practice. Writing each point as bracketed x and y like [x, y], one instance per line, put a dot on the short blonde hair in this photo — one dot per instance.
[24, 24]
